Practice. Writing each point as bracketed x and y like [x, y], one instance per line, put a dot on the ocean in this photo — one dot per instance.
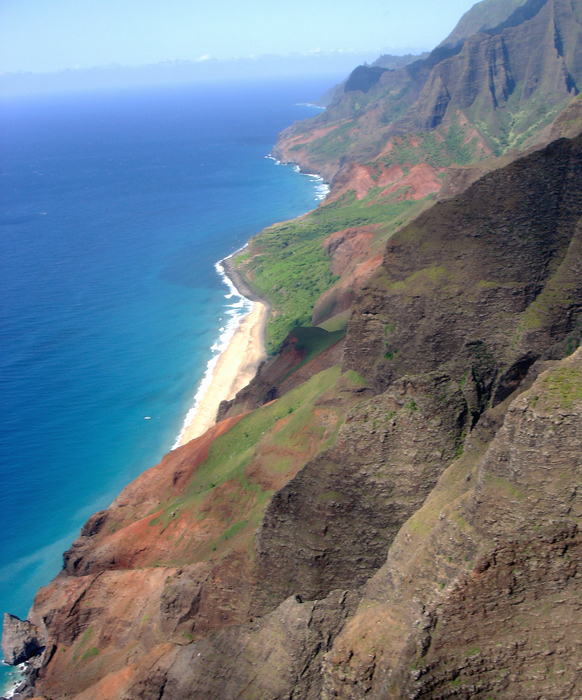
[114, 210]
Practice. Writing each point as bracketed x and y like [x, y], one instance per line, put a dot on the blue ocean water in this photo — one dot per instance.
[114, 208]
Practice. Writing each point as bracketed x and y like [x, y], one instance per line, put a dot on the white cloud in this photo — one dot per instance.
[204, 58]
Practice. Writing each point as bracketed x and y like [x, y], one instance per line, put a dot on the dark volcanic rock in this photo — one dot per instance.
[480, 593]
[494, 631]
[482, 284]
[20, 640]
[333, 523]
[277, 657]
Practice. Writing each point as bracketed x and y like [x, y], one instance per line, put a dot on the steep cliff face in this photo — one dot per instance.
[480, 18]
[331, 526]
[499, 84]
[482, 285]
[324, 544]
[485, 573]
[393, 512]
[479, 596]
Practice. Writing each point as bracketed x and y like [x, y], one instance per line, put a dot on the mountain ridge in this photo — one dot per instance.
[499, 100]
[391, 508]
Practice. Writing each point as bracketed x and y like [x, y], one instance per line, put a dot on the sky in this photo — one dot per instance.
[51, 35]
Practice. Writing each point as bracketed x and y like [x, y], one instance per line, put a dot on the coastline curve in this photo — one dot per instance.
[238, 354]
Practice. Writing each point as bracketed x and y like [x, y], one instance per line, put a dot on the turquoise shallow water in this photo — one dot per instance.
[114, 208]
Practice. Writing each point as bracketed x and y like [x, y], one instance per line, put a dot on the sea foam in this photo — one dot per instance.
[14, 679]
[237, 311]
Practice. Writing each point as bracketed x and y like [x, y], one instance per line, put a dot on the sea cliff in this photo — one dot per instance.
[391, 507]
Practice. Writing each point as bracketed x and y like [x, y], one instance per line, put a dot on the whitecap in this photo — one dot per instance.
[14, 681]
[309, 104]
[237, 311]
[321, 191]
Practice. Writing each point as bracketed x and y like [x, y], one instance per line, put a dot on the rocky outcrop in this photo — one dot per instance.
[516, 584]
[20, 640]
[479, 596]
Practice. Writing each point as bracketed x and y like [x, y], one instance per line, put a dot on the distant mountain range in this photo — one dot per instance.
[207, 69]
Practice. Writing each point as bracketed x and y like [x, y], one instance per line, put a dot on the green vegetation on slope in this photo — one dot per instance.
[439, 148]
[268, 445]
[288, 264]
[335, 143]
[562, 386]
[433, 148]
[518, 120]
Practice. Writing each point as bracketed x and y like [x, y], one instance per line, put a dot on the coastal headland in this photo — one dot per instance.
[392, 508]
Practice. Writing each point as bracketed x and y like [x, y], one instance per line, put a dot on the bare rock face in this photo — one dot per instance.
[20, 641]
[517, 616]
[276, 657]
[480, 593]
[482, 284]
[334, 522]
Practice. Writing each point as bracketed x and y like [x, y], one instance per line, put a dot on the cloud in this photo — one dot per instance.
[206, 57]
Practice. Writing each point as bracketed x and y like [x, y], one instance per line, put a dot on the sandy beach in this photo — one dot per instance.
[235, 368]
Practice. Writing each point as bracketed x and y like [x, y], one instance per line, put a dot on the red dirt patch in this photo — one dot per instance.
[347, 247]
[421, 181]
[172, 474]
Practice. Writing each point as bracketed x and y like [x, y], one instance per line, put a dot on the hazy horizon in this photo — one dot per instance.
[334, 65]
[48, 36]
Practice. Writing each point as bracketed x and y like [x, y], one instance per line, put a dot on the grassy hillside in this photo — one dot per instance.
[288, 265]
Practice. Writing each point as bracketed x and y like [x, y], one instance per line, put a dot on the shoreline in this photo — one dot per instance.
[236, 365]
[322, 189]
